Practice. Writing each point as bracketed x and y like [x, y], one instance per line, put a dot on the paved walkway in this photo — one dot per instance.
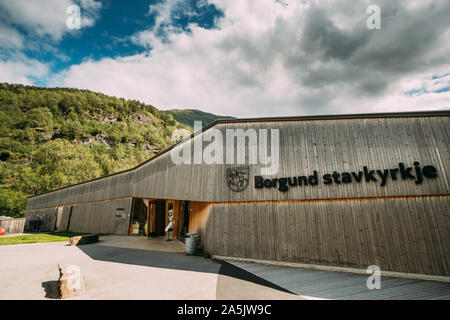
[144, 243]
[121, 267]
[348, 286]
[128, 268]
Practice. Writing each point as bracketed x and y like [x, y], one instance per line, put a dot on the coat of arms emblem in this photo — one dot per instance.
[237, 178]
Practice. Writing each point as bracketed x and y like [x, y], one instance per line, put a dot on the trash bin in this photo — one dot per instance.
[190, 242]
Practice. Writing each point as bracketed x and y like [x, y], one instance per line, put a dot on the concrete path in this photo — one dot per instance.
[128, 268]
[121, 267]
[144, 243]
[348, 286]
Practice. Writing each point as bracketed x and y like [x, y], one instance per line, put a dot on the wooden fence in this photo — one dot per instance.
[13, 225]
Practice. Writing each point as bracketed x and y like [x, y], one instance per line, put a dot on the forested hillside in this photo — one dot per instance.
[53, 137]
[188, 116]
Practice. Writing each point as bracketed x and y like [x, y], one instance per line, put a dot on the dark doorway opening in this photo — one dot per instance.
[160, 218]
[70, 216]
[140, 215]
[184, 220]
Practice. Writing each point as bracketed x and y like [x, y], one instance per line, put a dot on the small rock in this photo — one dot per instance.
[71, 281]
[77, 240]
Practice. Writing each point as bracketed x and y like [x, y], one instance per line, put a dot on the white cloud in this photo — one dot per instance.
[46, 17]
[22, 70]
[35, 25]
[399, 102]
[282, 58]
[10, 38]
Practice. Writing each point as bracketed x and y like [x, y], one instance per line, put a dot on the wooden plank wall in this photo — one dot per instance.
[402, 226]
[48, 217]
[63, 222]
[13, 225]
[398, 234]
[100, 217]
[198, 215]
[305, 146]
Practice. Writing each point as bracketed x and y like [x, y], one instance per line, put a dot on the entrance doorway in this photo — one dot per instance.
[147, 217]
[184, 220]
[150, 217]
[140, 216]
[157, 224]
[178, 212]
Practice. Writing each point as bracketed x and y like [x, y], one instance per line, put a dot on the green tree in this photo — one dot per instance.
[40, 118]
[59, 163]
[12, 202]
[33, 161]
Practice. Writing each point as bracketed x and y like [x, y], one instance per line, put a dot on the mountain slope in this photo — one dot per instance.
[188, 116]
[53, 137]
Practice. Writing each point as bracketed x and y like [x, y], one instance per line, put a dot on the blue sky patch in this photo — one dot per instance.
[110, 36]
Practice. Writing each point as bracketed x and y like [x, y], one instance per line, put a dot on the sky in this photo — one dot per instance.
[235, 57]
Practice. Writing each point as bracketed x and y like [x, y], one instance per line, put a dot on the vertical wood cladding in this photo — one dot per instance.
[401, 226]
[342, 145]
[13, 225]
[198, 215]
[100, 217]
[398, 234]
[47, 217]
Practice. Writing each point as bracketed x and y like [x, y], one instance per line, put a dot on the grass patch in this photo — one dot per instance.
[40, 237]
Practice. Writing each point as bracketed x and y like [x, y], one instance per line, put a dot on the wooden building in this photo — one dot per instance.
[350, 190]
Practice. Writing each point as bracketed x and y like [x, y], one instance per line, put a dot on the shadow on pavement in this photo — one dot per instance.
[51, 289]
[174, 261]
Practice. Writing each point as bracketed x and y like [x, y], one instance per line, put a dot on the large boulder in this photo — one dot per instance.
[71, 281]
[86, 239]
